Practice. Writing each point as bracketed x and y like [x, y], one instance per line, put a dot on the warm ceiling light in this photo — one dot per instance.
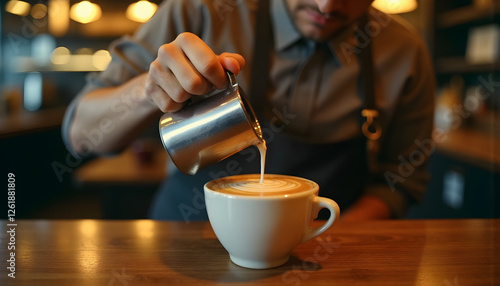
[60, 56]
[58, 17]
[395, 6]
[85, 12]
[19, 8]
[38, 11]
[141, 11]
[101, 59]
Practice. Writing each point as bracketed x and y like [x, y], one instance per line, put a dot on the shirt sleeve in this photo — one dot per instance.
[405, 147]
[129, 59]
[132, 55]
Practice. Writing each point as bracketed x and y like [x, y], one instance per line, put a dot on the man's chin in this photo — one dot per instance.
[319, 35]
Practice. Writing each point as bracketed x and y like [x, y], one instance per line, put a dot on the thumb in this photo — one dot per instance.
[232, 62]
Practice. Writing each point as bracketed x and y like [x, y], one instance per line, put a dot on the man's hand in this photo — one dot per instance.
[186, 67]
[367, 208]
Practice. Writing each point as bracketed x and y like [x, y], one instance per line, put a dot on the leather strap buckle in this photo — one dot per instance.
[371, 128]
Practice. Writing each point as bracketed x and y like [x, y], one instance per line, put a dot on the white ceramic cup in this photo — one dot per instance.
[260, 230]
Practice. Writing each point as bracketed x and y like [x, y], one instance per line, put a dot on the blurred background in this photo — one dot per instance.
[48, 47]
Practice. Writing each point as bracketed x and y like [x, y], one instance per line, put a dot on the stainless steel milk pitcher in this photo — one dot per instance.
[210, 130]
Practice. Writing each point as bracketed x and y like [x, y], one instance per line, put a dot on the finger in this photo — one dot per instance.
[164, 89]
[160, 97]
[173, 58]
[232, 62]
[204, 60]
[164, 77]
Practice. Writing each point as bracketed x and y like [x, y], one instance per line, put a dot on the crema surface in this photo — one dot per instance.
[272, 185]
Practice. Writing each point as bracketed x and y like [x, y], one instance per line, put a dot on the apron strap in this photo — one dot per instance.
[263, 43]
[371, 128]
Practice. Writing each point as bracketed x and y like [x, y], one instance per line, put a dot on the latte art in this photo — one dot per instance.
[272, 185]
[268, 185]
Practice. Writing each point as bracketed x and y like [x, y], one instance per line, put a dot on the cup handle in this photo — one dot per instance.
[318, 204]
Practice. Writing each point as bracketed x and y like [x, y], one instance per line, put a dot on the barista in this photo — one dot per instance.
[309, 83]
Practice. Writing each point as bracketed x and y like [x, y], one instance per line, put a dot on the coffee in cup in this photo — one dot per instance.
[260, 224]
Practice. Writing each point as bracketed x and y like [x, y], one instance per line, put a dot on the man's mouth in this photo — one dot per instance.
[323, 18]
[317, 17]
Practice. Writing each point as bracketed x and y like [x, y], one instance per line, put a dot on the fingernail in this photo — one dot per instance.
[236, 63]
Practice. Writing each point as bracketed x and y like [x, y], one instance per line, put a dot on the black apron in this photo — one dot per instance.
[340, 169]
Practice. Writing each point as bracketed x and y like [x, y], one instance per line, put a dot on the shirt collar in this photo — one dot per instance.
[284, 30]
[286, 34]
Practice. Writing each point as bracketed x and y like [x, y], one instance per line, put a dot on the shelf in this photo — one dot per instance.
[477, 148]
[467, 14]
[25, 122]
[75, 63]
[124, 170]
[460, 65]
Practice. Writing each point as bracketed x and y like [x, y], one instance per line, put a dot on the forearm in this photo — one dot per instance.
[108, 119]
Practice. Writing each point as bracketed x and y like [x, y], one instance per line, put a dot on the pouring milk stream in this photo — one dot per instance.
[211, 128]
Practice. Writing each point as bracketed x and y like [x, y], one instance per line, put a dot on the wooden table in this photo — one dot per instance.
[124, 169]
[31, 121]
[143, 252]
[477, 148]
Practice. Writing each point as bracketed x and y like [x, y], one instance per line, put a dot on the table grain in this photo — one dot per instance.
[144, 252]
